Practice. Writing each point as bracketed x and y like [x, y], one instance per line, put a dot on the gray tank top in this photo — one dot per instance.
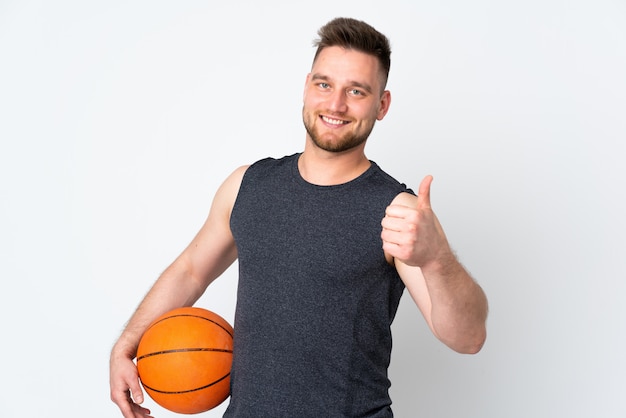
[316, 297]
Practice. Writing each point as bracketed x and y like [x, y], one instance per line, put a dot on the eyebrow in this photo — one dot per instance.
[322, 77]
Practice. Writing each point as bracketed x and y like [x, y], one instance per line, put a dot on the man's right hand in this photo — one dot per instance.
[125, 387]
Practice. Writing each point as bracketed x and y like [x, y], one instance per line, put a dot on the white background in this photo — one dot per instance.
[118, 121]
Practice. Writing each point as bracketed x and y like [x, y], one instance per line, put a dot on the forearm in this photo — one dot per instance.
[458, 305]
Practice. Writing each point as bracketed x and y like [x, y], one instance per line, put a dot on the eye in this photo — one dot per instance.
[355, 92]
[324, 86]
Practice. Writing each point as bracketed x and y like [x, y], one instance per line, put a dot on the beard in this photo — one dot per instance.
[347, 142]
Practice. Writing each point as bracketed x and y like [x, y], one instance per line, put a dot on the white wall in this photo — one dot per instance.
[118, 121]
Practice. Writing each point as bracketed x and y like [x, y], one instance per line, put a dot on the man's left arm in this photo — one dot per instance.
[453, 304]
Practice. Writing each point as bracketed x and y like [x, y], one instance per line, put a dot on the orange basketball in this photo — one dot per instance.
[184, 360]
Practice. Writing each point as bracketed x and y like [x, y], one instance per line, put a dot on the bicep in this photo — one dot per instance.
[213, 248]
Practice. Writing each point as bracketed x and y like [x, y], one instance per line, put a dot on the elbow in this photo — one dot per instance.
[466, 335]
[464, 342]
[473, 348]
[471, 344]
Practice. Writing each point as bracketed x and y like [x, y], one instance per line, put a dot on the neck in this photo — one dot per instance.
[325, 168]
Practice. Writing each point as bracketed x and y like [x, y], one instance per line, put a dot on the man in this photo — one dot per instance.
[320, 277]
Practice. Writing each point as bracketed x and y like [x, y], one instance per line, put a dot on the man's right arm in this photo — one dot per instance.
[208, 255]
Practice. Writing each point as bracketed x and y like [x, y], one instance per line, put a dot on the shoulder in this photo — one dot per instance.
[226, 194]
[388, 180]
[405, 199]
[233, 181]
[271, 163]
[269, 172]
[229, 190]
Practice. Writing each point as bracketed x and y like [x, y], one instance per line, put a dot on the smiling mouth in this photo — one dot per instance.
[335, 122]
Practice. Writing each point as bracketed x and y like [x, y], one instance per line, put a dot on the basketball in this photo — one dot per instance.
[184, 360]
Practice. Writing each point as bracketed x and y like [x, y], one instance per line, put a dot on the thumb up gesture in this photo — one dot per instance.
[411, 232]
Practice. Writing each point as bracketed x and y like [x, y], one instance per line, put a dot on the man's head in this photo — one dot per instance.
[344, 93]
[354, 34]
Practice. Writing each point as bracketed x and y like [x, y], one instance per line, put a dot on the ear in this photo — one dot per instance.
[385, 102]
[306, 84]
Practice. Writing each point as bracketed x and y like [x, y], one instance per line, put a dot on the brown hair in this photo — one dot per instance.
[355, 34]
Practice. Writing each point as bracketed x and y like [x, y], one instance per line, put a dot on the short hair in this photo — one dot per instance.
[355, 34]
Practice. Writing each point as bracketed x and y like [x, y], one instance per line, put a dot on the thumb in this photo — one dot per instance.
[423, 194]
[137, 393]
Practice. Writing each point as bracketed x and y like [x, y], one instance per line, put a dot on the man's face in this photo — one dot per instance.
[343, 99]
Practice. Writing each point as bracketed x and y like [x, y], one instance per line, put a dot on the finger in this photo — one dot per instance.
[423, 194]
[139, 410]
[396, 211]
[131, 409]
[125, 403]
[135, 389]
[390, 235]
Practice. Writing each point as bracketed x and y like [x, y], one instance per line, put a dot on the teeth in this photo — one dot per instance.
[333, 121]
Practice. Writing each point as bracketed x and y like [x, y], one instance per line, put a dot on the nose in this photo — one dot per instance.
[337, 102]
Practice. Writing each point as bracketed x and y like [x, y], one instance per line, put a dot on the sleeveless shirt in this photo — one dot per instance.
[315, 297]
